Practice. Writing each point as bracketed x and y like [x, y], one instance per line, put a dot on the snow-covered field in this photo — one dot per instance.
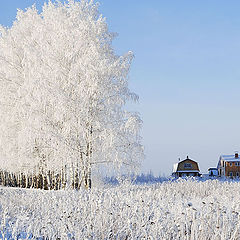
[169, 210]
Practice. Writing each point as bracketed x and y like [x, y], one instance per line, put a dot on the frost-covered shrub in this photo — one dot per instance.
[184, 209]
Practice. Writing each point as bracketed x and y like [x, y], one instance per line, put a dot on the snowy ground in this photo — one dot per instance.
[169, 210]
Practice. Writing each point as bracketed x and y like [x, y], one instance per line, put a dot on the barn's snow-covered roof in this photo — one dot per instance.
[229, 158]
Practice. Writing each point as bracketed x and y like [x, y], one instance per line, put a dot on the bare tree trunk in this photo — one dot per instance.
[89, 178]
[1, 177]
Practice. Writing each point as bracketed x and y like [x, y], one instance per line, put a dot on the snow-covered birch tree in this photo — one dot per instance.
[63, 91]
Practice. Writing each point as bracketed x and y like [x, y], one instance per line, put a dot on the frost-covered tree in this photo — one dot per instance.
[63, 91]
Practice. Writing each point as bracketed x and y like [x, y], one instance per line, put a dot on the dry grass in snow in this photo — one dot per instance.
[170, 210]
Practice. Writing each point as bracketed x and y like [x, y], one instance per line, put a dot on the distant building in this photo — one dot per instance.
[229, 166]
[186, 168]
[212, 172]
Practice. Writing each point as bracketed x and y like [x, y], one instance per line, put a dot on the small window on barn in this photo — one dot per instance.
[236, 163]
[187, 165]
[230, 174]
[237, 174]
[230, 164]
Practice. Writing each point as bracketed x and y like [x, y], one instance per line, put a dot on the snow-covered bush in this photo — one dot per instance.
[184, 209]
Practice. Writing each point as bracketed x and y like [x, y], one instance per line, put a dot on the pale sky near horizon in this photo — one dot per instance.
[186, 72]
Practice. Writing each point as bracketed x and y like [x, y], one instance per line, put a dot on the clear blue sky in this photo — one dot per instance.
[186, 71]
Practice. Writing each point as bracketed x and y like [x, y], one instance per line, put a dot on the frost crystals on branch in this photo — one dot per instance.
[62, 96]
